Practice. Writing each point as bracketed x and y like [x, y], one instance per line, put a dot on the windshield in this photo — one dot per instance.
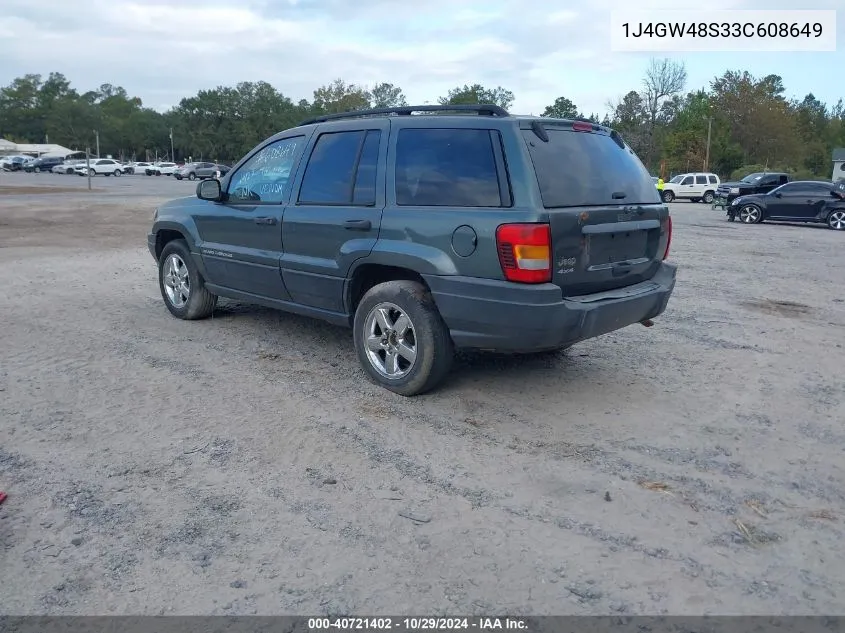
[752, 178]
[677, 179]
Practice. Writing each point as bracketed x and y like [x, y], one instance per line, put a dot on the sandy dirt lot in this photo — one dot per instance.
[244, 465]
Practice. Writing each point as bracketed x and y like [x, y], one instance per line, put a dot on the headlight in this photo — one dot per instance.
[734, 189]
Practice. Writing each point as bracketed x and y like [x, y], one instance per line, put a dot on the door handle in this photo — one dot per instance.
[358, 225]
[265, 220]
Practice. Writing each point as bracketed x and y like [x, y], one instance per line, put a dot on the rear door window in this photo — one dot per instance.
[588, 169]
[449, 168]
[701, 180]
[342, 169]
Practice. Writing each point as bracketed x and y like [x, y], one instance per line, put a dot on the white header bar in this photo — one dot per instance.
[719, 31]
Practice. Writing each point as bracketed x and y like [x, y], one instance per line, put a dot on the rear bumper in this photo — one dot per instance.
[503, 316]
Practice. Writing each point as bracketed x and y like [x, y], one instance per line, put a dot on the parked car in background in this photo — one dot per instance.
[138, 167]
[14, 163]
[426, 233]
[161, 169]
[815, 201]
[45, 163]
[192, 171]
[68, 166]
[759, 182]
[101, 166]
[696, 187]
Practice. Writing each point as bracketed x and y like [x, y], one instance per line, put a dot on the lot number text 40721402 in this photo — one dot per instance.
[416, 624]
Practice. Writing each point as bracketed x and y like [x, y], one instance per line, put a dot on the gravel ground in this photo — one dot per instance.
[244, 465]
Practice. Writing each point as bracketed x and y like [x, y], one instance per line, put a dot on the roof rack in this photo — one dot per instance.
[487, 109]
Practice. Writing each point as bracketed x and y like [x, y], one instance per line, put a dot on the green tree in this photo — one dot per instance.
[760, 120]
[629, 117]
[385, 95]
[478, 94]
[340, 96]
[562, 108]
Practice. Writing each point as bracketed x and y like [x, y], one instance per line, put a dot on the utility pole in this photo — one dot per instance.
[172, 152]
[707, 152]
[97, 134]
[88, 165]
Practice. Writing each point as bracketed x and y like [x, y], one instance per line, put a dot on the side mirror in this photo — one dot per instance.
[209, 190]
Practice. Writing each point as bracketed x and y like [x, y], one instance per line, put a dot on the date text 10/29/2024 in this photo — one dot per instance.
[416, 624]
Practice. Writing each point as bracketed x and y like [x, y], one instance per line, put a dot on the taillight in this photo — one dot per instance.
[525, 252]
[668, 230]
[582, 126]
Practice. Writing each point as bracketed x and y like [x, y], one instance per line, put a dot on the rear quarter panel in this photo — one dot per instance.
[421, 237]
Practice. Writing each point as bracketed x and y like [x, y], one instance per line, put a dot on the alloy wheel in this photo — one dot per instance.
[749, 214]
[836, 221]
[390, 340]
[177, 281]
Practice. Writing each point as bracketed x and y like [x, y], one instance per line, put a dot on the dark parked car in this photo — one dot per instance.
[43, 164]
[427, 233]
[192, 171]
[762, 182]
[798, 201]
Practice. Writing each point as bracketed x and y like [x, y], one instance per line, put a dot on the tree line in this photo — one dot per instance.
[750, 122]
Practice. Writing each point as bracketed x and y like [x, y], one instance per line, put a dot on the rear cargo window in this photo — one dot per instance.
[447, 167]
[586, 169]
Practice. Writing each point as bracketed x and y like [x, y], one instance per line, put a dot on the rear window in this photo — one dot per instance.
[448, 167]
[586, 169]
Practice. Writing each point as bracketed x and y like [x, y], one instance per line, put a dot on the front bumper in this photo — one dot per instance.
[504, 316]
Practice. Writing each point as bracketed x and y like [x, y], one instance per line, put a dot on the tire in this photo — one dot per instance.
[695, 200]
[117, 173]
[37, 170]
[177, 177]
[708, 198]
[750, 214]
[158, 173]
[668, 196]
[836, 220]
[192, 176]
[69, 172]
[175, 267]
[430, 341]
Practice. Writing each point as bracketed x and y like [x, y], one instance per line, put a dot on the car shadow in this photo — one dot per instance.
[273, 330]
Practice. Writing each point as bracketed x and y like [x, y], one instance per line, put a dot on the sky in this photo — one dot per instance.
[164, 50]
